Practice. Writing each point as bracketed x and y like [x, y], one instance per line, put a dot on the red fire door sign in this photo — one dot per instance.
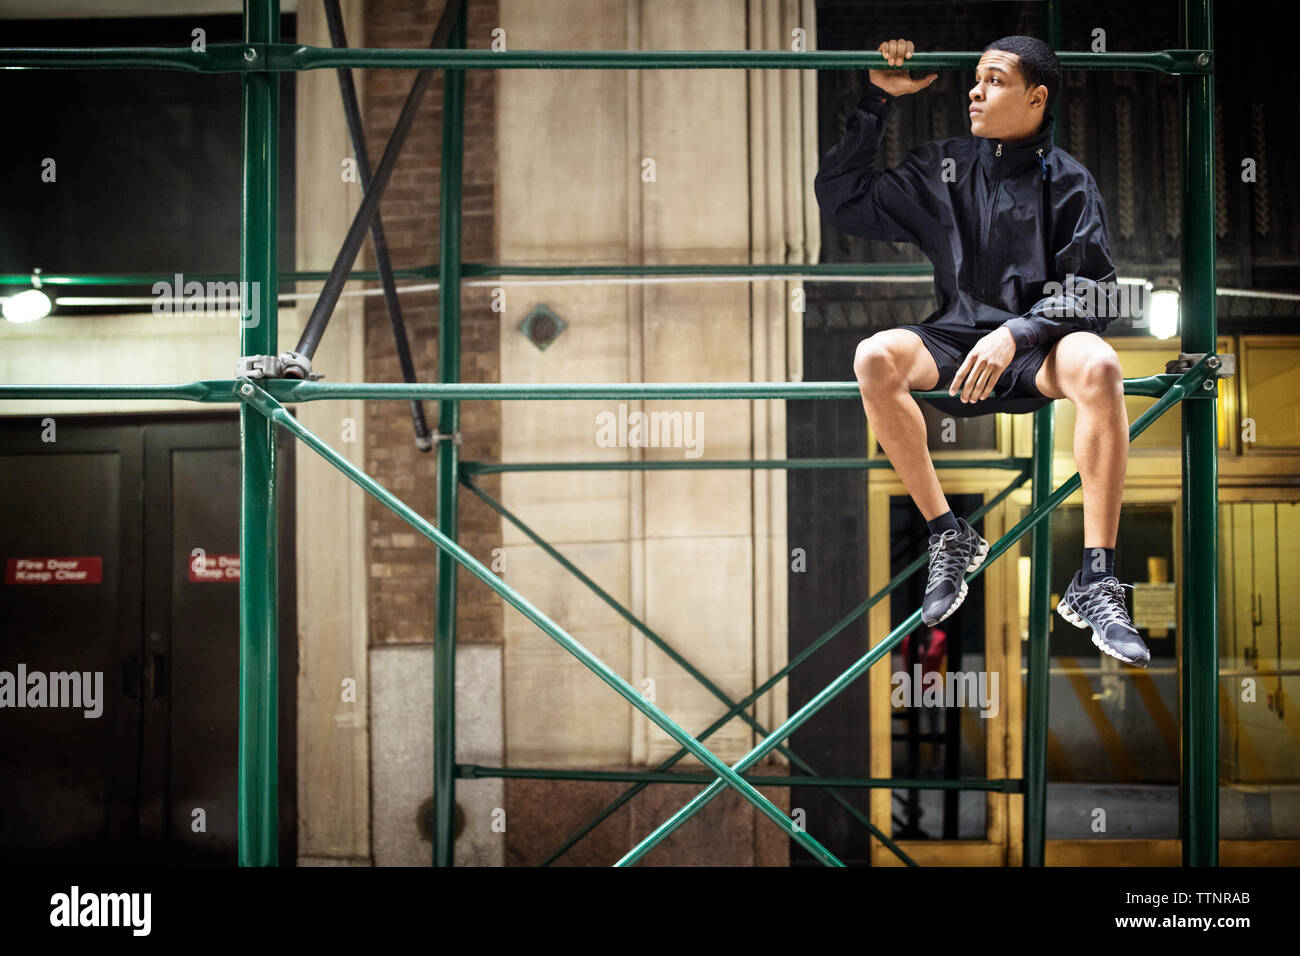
[54, 570]
[214, 567]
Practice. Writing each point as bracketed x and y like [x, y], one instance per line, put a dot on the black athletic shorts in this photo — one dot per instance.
[1014, 393]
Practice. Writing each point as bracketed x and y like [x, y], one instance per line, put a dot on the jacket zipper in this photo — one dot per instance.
[993, 198]
[988, 222]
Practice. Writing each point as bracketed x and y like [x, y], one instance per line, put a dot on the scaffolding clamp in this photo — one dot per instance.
[1220, 366]
[295, 364]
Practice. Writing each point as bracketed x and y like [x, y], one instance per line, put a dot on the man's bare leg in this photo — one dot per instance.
[1085, 369]
[888, 365]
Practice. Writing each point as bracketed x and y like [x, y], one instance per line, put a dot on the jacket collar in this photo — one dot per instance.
[1015, 158]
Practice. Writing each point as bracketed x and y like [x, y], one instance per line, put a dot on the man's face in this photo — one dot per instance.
[1000, 105]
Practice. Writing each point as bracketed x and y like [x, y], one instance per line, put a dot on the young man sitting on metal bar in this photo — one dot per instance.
[1016, 230]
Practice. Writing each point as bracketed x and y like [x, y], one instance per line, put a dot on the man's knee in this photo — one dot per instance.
[1096, 375]
[877, 365]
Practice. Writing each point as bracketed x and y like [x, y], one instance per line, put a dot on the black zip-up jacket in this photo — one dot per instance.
[997, 221]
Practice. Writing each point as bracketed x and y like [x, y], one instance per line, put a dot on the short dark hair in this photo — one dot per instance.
[1038, 64]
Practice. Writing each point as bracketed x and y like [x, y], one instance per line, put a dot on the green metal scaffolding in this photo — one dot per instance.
[260, 57]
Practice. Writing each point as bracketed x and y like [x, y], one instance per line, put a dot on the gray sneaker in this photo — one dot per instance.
[1101, 607]
[952, 554]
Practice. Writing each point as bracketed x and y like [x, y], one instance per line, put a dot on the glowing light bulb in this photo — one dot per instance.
[1162, 313]
[27, 306]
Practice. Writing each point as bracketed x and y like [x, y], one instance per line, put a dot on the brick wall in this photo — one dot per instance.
[401, 562]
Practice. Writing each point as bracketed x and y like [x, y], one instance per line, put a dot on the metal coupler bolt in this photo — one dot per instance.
[1208, 385]
[1203, 59]
[1213, 362]
[250, 54]
[246, 389]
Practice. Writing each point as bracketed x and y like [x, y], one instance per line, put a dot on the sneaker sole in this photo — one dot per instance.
[976, 560]
[1075, 618]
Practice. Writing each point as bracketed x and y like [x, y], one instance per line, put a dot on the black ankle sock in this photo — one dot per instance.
[1098, 563]
[945, 522]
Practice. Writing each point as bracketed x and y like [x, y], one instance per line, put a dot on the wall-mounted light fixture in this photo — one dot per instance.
[28, 306]
[1163, 307]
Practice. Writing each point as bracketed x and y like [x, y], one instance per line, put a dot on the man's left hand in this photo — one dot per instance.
[980, 372]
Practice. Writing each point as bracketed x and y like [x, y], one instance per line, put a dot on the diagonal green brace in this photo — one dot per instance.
[255, 397]
[1187, 384]
[780, 675]
[673, 654]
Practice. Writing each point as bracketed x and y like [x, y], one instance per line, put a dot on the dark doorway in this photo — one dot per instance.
[127, 506]
[935, 742]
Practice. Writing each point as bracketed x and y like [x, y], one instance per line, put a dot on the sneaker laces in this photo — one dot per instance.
[1106, 601]
[943, 559]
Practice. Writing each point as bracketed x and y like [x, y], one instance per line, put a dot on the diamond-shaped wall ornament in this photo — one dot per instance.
[542, 326]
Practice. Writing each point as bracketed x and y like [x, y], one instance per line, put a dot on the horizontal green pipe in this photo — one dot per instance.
[267, 406]
[1186, 383]
[207, 391]
[289, 57]
[783, 464]
[218, 58]
[481, 269]
[289, 390]
[830, 269]
[476, 772]
[142, 278]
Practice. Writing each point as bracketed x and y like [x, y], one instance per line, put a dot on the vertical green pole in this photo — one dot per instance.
[1037, 708]
[1199, 819]
[444, 641]
[1037, 689]
[258, 624]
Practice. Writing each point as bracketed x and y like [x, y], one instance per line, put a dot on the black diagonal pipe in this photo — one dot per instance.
[329, 296]
[348, 90]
